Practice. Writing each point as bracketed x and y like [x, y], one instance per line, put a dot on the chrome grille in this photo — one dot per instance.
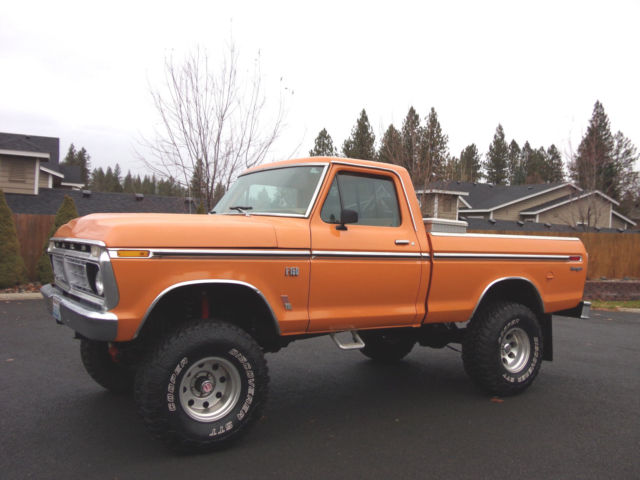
[70, 274]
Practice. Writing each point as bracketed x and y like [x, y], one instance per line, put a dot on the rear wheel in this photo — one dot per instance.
[103, 366]
[203, 386]
[390, 346]
[502, 348]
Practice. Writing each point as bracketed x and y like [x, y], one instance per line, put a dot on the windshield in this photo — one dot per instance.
[280, 191]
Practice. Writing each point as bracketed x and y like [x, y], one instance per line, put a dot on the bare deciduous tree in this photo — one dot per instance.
[213, 122]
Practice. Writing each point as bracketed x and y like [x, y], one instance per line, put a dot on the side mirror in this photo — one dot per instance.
[347, 216]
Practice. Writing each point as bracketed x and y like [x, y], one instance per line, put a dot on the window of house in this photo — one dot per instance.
[373, 198]
[17, 173]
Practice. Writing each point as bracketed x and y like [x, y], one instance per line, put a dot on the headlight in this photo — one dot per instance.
[51, 246]
[95, 251]
[99, 284]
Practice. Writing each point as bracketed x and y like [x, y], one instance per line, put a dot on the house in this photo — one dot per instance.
[547, 204]
[29, 163]
[35, 183]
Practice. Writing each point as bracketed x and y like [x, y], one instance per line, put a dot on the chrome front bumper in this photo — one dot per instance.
[92, 324]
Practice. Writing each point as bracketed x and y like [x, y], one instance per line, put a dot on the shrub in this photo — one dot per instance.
[12, 269]
[66, 212]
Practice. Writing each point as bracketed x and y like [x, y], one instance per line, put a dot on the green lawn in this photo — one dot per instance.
[612, 305]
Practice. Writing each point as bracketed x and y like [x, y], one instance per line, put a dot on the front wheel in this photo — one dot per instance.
[502, 348]
[104, 367]
[203, 386]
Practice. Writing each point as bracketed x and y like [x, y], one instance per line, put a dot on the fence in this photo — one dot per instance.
[611, 255]
[33, 231]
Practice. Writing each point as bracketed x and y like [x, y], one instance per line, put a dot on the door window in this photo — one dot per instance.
[373, 198]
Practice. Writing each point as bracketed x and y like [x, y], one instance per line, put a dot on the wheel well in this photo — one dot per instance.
[233, 302]
[524, 292]
[515, 290]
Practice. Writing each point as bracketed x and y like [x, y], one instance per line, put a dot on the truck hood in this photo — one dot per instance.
[149, 230]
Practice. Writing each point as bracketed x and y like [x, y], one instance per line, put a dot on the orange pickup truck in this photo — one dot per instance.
[182, 308]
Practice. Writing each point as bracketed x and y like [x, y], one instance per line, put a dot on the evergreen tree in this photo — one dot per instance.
[116, 185]
[391, 147]
[497, 157]
[627, 181]
[66, 213]
[469, 164]
[535, 165]
[12, 269]
[412, 133]
[515, 165]
[127, 186]
[218, 193]
[323, 146]
[98, 180]
[198, 186]
[361, 143]
[81, 159]
[554, 170]
[593, 166]
[434, 151]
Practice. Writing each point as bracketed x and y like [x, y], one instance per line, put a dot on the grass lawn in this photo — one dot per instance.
[613, 305]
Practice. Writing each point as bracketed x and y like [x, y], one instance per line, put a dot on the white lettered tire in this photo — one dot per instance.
[203, 386]
[502, 348]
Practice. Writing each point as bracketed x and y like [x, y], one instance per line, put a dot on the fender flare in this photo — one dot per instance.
[506, 279]
[190, 283]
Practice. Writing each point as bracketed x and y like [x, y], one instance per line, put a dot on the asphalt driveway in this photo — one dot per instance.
[334, 414]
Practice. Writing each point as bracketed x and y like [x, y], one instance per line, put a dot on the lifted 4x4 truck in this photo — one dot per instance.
[182, 308]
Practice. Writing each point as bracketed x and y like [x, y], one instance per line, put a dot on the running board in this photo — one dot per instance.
[356, 343]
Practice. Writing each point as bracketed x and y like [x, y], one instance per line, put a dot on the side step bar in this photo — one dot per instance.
[356, 343]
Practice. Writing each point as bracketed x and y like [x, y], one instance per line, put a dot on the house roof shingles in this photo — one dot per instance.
[49, 200]
[33, 143]
[484, 196]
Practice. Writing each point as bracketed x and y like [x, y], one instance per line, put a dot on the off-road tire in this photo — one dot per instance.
[387, 346]
[502, 348]
[170, 386]
[100, 365]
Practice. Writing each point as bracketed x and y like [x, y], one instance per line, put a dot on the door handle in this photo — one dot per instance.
[402, 242]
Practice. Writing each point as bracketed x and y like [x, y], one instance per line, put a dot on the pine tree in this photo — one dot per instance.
[434, 153]
[592, 168]
[12, 269]
[412, 133]
[555, 169]
[66, 213]
[218, 193]
[81, 159]
[469, 164]
[625, 155]
[515, 164]
[535, 165]
[391, 147]
[198, 184]
[323, 146]
[116, 185]
[127, 186]
[361, 143]
[497, 157]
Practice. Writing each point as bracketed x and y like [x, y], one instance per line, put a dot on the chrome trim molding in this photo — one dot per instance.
[207, 282]
[490, 235]
[501, 256]
[211, 252]
[340, 253]
[78, 240]
[404, 190]
[504, 279]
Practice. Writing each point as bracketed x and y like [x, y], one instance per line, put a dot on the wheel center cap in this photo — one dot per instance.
[206, 387]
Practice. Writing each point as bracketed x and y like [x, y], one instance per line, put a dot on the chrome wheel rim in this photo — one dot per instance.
[515, 350]
[210, 389]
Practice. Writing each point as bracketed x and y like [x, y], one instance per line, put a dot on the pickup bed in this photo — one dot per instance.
[181, 308]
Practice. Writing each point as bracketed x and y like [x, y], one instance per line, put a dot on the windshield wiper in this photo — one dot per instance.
[241, 209]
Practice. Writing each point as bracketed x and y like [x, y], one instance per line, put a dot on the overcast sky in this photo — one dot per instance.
[81, 71]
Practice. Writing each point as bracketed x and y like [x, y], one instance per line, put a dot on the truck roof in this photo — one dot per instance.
[327, 160]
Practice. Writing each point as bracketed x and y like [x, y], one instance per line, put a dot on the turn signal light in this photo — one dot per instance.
[133, 253]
